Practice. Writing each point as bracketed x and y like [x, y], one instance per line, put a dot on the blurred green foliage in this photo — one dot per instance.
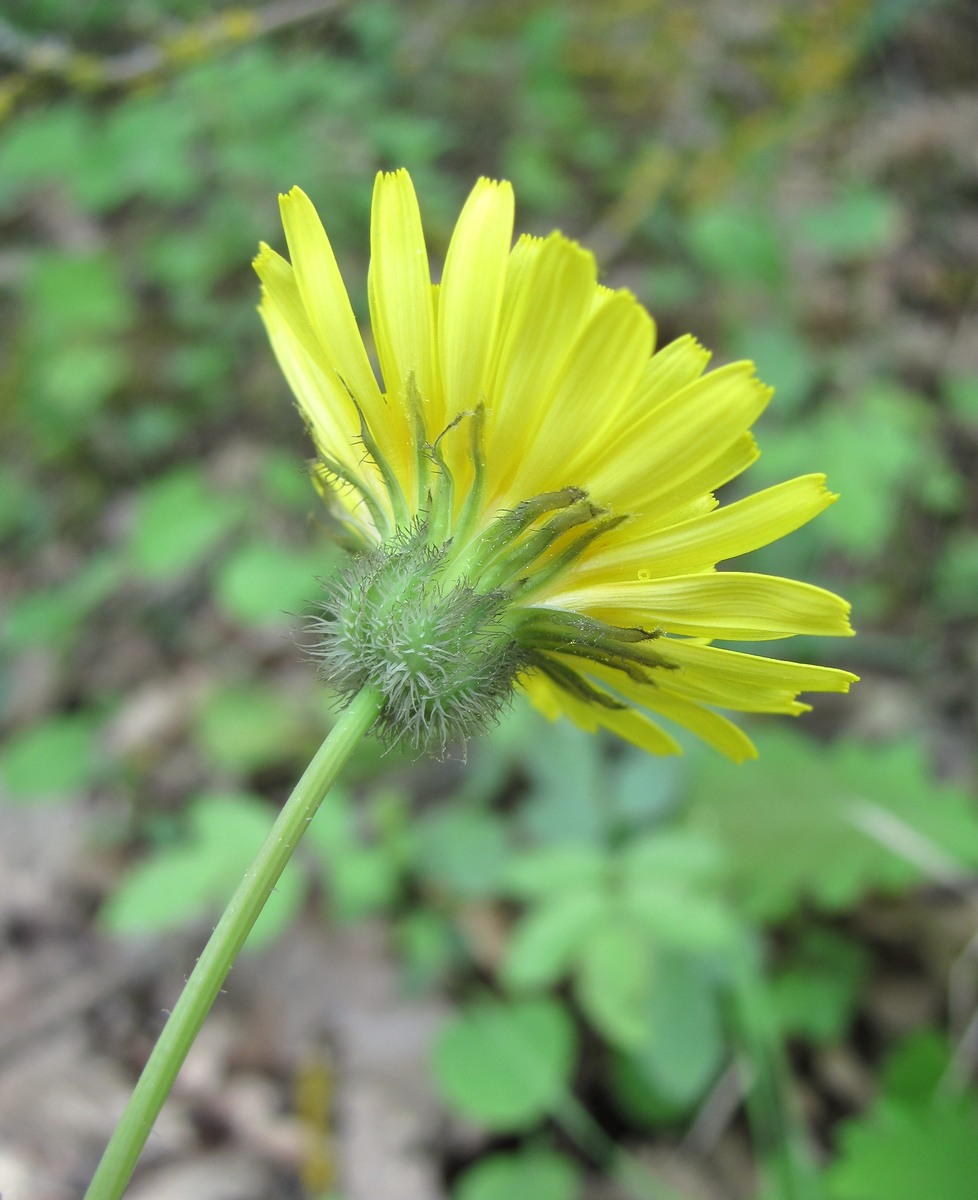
[155, 522]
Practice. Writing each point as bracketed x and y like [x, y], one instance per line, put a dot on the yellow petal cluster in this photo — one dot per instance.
[519, 376]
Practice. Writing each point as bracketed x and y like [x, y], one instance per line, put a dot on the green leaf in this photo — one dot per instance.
[828, 825]
[429, 948]
[546, 941]
[287, 483]
[737, 244]
[186, 881]
[681, 918]
[463, 850]
[784, 361]
[178, 520]
[646, 789]
[670, 856]
[956, 575]
[566, 802]
[684, 1046]
[261, 583]
[815, 992]
[918, 1139]
[246, 726]
[21, 501]
[142, 147]
[860, 223]
[506, 1065]
[961, 394]
[915, 1070]
[536, 1174]
[554, 870]
[614, 980]
[907, 461]
[47, 143]
[77, 294]
[55, 616]
[903, 1155]
[50, 760]
[364, 880]
[75, 379]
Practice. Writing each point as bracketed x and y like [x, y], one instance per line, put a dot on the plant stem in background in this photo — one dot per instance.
[208, 976]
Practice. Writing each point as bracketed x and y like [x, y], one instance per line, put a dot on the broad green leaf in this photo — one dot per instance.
[900, 1154]
[505, 1065]
[907, 461]
[677, 916]
[544, 943]
[44, 144]
[178, 520]
[919, 1137]
[815, 992]
[261, 583]
[361, 881]
[567, 799]
[429, 947]
[829, 824]
[554, 871]
[646, 788]
[75, 379]
[185, 881]
[961, 393]
[679, 856]
[784, 361]
[956, 575]
[142, 147]
[462, 849]
[288, 484]
[636, 1096]
[21, 500]
[614, 979]
[526, 1175]
[56, 615]
[684, 1046]
[860, 223]
[50, 760]
[197, 876]
[77, 294]
[333, 830]
[737, 243]
[247, 726]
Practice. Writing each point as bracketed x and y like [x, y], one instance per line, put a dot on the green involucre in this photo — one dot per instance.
[436, 648]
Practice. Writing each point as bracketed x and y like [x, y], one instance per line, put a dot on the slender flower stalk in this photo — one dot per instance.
[208, 976]
[529, 489]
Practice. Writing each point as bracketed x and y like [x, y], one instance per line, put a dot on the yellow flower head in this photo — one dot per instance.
[531, 487]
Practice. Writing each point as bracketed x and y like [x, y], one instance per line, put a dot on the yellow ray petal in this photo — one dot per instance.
[399, 293]
[279, 288]
[601, 371]
[627, 723]
[745, 682]
[325, 300]
[322, 401]
[693, 496]
[547, 313]
[694, 426]
[702, 542]
[728, 605]
[712, 727]
[471, 292]
[668, 371]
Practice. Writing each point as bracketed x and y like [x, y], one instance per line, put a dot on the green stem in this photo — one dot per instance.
[208, 976]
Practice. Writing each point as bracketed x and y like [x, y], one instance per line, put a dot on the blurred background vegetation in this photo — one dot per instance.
[666, 978]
